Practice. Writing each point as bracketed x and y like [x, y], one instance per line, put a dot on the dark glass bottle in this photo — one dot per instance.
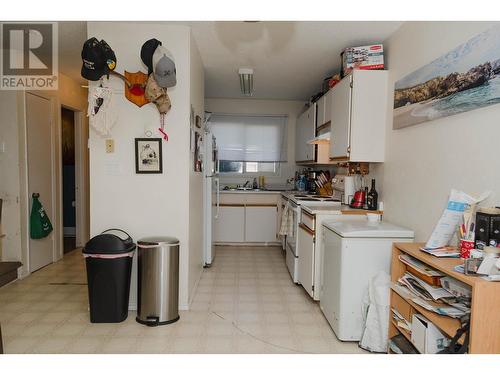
[372, 197]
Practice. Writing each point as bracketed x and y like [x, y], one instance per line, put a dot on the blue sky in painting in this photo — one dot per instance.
[478, 50]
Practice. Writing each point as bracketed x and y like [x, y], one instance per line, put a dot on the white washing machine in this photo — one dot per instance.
[354, 252]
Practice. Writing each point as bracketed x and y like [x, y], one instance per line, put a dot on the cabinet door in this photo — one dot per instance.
[260, 223]
[305, 249]
[305, 130]
[328, 107]
[230, 225]
[320, 104]
[340, 119]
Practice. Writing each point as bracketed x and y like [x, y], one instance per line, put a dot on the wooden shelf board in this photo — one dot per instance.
[445, 265]
[401, 330]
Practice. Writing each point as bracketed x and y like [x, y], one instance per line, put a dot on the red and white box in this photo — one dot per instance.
[363, 57]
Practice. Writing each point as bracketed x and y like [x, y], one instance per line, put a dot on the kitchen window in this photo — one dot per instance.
[250, 144]
[248, 167]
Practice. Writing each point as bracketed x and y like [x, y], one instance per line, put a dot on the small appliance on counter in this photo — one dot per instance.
[343, 188]
[359, 198]
[364, 199]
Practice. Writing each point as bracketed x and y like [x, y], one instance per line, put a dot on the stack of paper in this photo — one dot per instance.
[439, 308]
[400, 320]
[442, 252]
[431, 298]
[420, 266]
[421, 289]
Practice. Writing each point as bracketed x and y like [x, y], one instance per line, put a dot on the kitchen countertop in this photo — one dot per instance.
[251, 191]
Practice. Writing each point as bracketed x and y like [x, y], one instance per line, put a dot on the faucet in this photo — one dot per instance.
[246, 183]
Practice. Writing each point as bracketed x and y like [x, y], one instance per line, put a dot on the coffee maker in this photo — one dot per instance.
[343, 188]
[311, 182]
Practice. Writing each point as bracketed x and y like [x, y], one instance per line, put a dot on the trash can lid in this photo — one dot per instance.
[158, 240]
[109, 243]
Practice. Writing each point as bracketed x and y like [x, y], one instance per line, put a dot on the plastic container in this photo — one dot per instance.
[108, 257]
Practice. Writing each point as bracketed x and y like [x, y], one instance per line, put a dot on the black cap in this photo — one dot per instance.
[147, 51]
[98, 59]
[109, 56]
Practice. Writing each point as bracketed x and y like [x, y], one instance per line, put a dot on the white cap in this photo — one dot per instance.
[164, 67]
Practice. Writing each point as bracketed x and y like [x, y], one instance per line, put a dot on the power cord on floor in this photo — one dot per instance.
[258, 338]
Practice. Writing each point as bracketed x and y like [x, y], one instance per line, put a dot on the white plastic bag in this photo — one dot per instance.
[376, 313]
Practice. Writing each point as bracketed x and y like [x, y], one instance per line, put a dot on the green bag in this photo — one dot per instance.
[40, 225]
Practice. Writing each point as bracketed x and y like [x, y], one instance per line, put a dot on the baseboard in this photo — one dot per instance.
[248, 244]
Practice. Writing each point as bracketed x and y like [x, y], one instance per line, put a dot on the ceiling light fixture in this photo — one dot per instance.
[246, 81]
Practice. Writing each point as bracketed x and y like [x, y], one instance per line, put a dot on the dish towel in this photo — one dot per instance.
[286, 228]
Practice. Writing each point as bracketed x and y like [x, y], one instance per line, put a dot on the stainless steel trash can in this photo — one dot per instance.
[158, 281]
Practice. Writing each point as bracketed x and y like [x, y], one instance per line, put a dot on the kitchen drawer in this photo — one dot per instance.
[309, 220]
[249, 198]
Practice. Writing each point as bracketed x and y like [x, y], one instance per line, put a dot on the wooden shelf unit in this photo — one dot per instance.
[485, 309]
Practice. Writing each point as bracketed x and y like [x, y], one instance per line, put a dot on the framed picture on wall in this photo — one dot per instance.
[148, 155]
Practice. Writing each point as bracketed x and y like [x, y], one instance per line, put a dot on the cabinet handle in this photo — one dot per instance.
[307, 229]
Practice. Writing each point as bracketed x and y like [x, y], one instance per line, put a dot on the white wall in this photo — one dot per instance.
[197, 91]
[142, 204]
[423, 162]
[291, 108]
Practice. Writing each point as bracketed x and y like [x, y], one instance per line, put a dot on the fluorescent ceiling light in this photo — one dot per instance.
[246, 81]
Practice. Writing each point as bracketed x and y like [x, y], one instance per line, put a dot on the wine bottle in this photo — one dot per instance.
[372, 197]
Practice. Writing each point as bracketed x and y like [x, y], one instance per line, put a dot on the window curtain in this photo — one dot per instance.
[250, 137]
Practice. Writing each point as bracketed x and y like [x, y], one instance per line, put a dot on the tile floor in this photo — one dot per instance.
[244, 303]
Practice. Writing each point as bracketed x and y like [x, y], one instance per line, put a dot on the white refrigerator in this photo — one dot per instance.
[211, 196]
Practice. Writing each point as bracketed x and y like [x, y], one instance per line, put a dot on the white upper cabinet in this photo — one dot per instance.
[358, 117]
[305, 130]
[326, 110]
[320, 104]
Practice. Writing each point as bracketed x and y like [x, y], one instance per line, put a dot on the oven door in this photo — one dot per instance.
[292, 255]
[291, 240]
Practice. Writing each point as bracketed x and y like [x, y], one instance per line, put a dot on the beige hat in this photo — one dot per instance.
[157, 95]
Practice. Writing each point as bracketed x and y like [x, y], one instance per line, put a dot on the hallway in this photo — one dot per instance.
[244, 303]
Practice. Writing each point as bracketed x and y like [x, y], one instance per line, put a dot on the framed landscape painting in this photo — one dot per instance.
[466, 78]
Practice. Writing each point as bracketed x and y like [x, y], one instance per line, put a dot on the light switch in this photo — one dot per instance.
[110, 146]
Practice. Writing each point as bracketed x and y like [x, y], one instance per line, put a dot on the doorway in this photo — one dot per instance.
[40, 173]
[68, 179]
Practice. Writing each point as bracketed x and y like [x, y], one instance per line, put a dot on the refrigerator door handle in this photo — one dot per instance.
[217, 182]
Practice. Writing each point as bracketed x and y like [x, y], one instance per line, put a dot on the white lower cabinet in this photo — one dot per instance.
[252, 223]
[260, 223]
[305, 244]
[230, 224]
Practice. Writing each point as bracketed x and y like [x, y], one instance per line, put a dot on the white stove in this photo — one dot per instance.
[295, 201]
[311, 199]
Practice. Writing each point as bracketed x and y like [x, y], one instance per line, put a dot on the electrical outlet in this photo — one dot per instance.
[110, 146]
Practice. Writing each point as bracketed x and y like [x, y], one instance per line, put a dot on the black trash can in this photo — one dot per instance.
[109, 265]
